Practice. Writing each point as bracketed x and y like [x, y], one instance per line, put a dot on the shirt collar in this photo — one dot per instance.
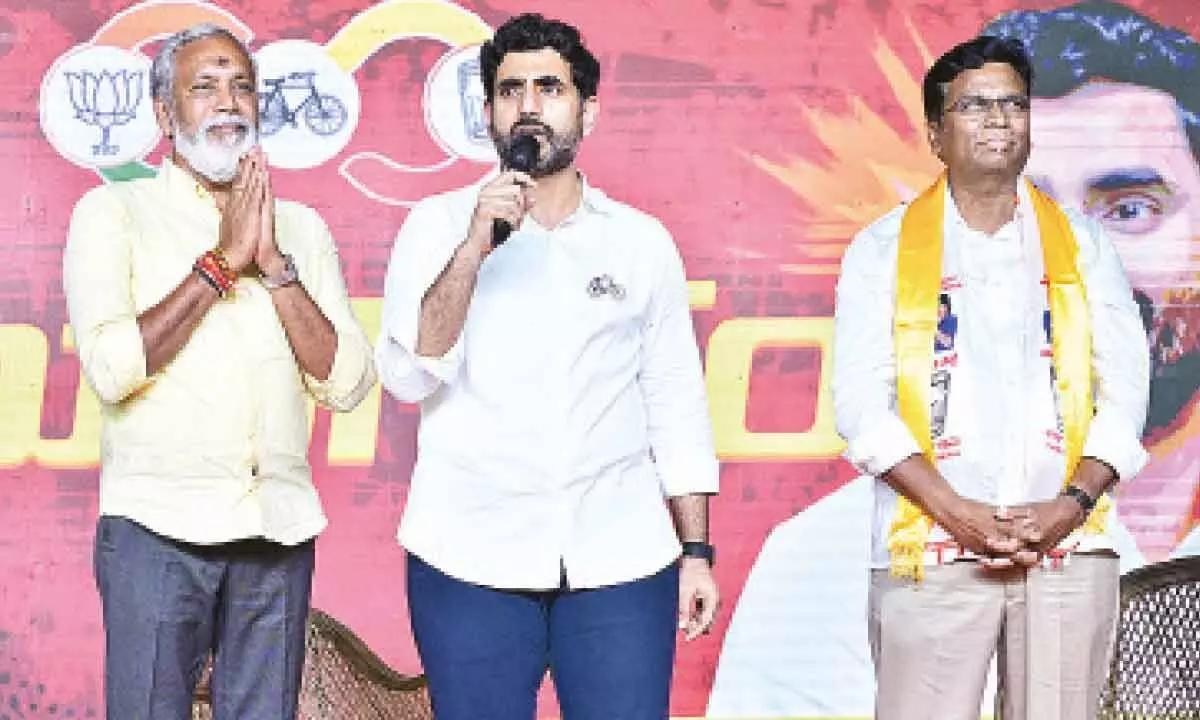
[180, 183]
[1023, 207]
[594, 198]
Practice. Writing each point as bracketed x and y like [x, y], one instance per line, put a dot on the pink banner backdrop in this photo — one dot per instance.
[763, 133]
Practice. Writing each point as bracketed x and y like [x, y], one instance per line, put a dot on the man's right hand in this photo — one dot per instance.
[976, 527]
[982, 529]
[507, 197]
[241, 220]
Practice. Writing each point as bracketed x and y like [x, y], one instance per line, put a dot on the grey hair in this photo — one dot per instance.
[162, 71]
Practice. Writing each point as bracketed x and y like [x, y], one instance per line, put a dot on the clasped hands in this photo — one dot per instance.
[1016, 536]
[247, 234]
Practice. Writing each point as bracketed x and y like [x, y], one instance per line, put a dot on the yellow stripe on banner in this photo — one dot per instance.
[392, 20]
[702, 294]
[831, 269]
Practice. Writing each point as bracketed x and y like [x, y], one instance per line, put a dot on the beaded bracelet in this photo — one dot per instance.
[208, 267]
[209, 279]
[213, 266]
[222, 262]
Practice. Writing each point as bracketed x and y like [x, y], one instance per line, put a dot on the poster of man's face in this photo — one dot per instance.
[1132, 169]
[1115, 135]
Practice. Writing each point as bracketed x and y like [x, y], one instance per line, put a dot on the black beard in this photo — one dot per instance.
[557, 151]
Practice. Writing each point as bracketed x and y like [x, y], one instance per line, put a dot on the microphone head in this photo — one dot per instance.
[523, 154]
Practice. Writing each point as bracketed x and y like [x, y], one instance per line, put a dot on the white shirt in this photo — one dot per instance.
[553, 428]
[214, 446]
[1000, 441]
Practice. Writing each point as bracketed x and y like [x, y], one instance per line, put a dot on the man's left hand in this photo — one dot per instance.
[699, 597]
[1043, 525]
[267, 256]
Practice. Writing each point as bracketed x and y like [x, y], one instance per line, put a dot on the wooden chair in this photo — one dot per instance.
[343, 680]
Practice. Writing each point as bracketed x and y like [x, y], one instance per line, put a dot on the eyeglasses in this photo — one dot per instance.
[977, 105]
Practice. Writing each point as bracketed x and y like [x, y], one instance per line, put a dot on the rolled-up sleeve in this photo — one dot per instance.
[97, 280]
[864, 362]
[1120, 360]
[423, 248]
[672, 384]
[353, 371]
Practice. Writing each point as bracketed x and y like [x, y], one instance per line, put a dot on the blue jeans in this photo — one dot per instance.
[167, 604]
[485, 651]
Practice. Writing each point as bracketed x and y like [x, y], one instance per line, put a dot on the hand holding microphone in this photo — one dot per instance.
[524, 156]
[503, 202]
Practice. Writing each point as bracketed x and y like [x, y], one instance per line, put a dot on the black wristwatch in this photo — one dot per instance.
[1079, 495]
[702, 550]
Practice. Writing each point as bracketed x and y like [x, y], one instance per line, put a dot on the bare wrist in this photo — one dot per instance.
[944, 507]
[468, 256]
[272, 266]
[238, 262]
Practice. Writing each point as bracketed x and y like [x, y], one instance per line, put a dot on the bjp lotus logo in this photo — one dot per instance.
[95, 108]
[105, 100]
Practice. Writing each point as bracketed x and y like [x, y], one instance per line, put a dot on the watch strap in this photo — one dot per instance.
[702, 550]
[288, 276]
[1079, 495]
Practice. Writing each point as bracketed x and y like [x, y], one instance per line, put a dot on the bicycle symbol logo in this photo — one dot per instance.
[323, 114]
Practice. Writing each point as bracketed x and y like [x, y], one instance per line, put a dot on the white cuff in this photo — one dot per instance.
[882, 446]
[444, 368]
[1112, 439]
[115, 360]
[698, 476]
[406, 375]
[350, 376]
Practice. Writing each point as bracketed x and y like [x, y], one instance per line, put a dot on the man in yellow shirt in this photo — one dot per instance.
[205, 312]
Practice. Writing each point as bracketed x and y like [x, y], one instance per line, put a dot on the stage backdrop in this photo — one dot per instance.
[764, 133]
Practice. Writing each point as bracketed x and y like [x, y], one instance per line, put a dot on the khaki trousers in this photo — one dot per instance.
[1051, 630]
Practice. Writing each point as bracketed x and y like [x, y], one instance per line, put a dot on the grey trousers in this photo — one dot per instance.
[1051, 630]
[167, 604]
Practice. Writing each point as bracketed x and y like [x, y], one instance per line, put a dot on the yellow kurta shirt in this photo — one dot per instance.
[214, 446]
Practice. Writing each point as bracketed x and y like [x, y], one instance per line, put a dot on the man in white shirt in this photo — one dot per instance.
[206, 314]
[561, 399]
[1136, 170]
[990, 528]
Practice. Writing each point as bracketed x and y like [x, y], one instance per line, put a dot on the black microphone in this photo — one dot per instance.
[522, 156]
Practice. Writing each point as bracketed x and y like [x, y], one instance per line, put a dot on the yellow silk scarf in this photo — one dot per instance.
[918, 283]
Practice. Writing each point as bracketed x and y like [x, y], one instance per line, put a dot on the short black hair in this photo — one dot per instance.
[1098, 39]
[971, 55]
[529, 32]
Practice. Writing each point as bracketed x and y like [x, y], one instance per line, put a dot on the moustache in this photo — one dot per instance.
[235, 121]
[529, 128]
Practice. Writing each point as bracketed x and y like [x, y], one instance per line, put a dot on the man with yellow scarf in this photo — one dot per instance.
[995, 437]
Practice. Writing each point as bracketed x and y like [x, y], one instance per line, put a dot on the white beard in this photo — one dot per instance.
[216, 160]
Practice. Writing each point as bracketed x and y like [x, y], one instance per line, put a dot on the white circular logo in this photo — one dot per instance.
[307, 106]
[95, 106]
[453, 104]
